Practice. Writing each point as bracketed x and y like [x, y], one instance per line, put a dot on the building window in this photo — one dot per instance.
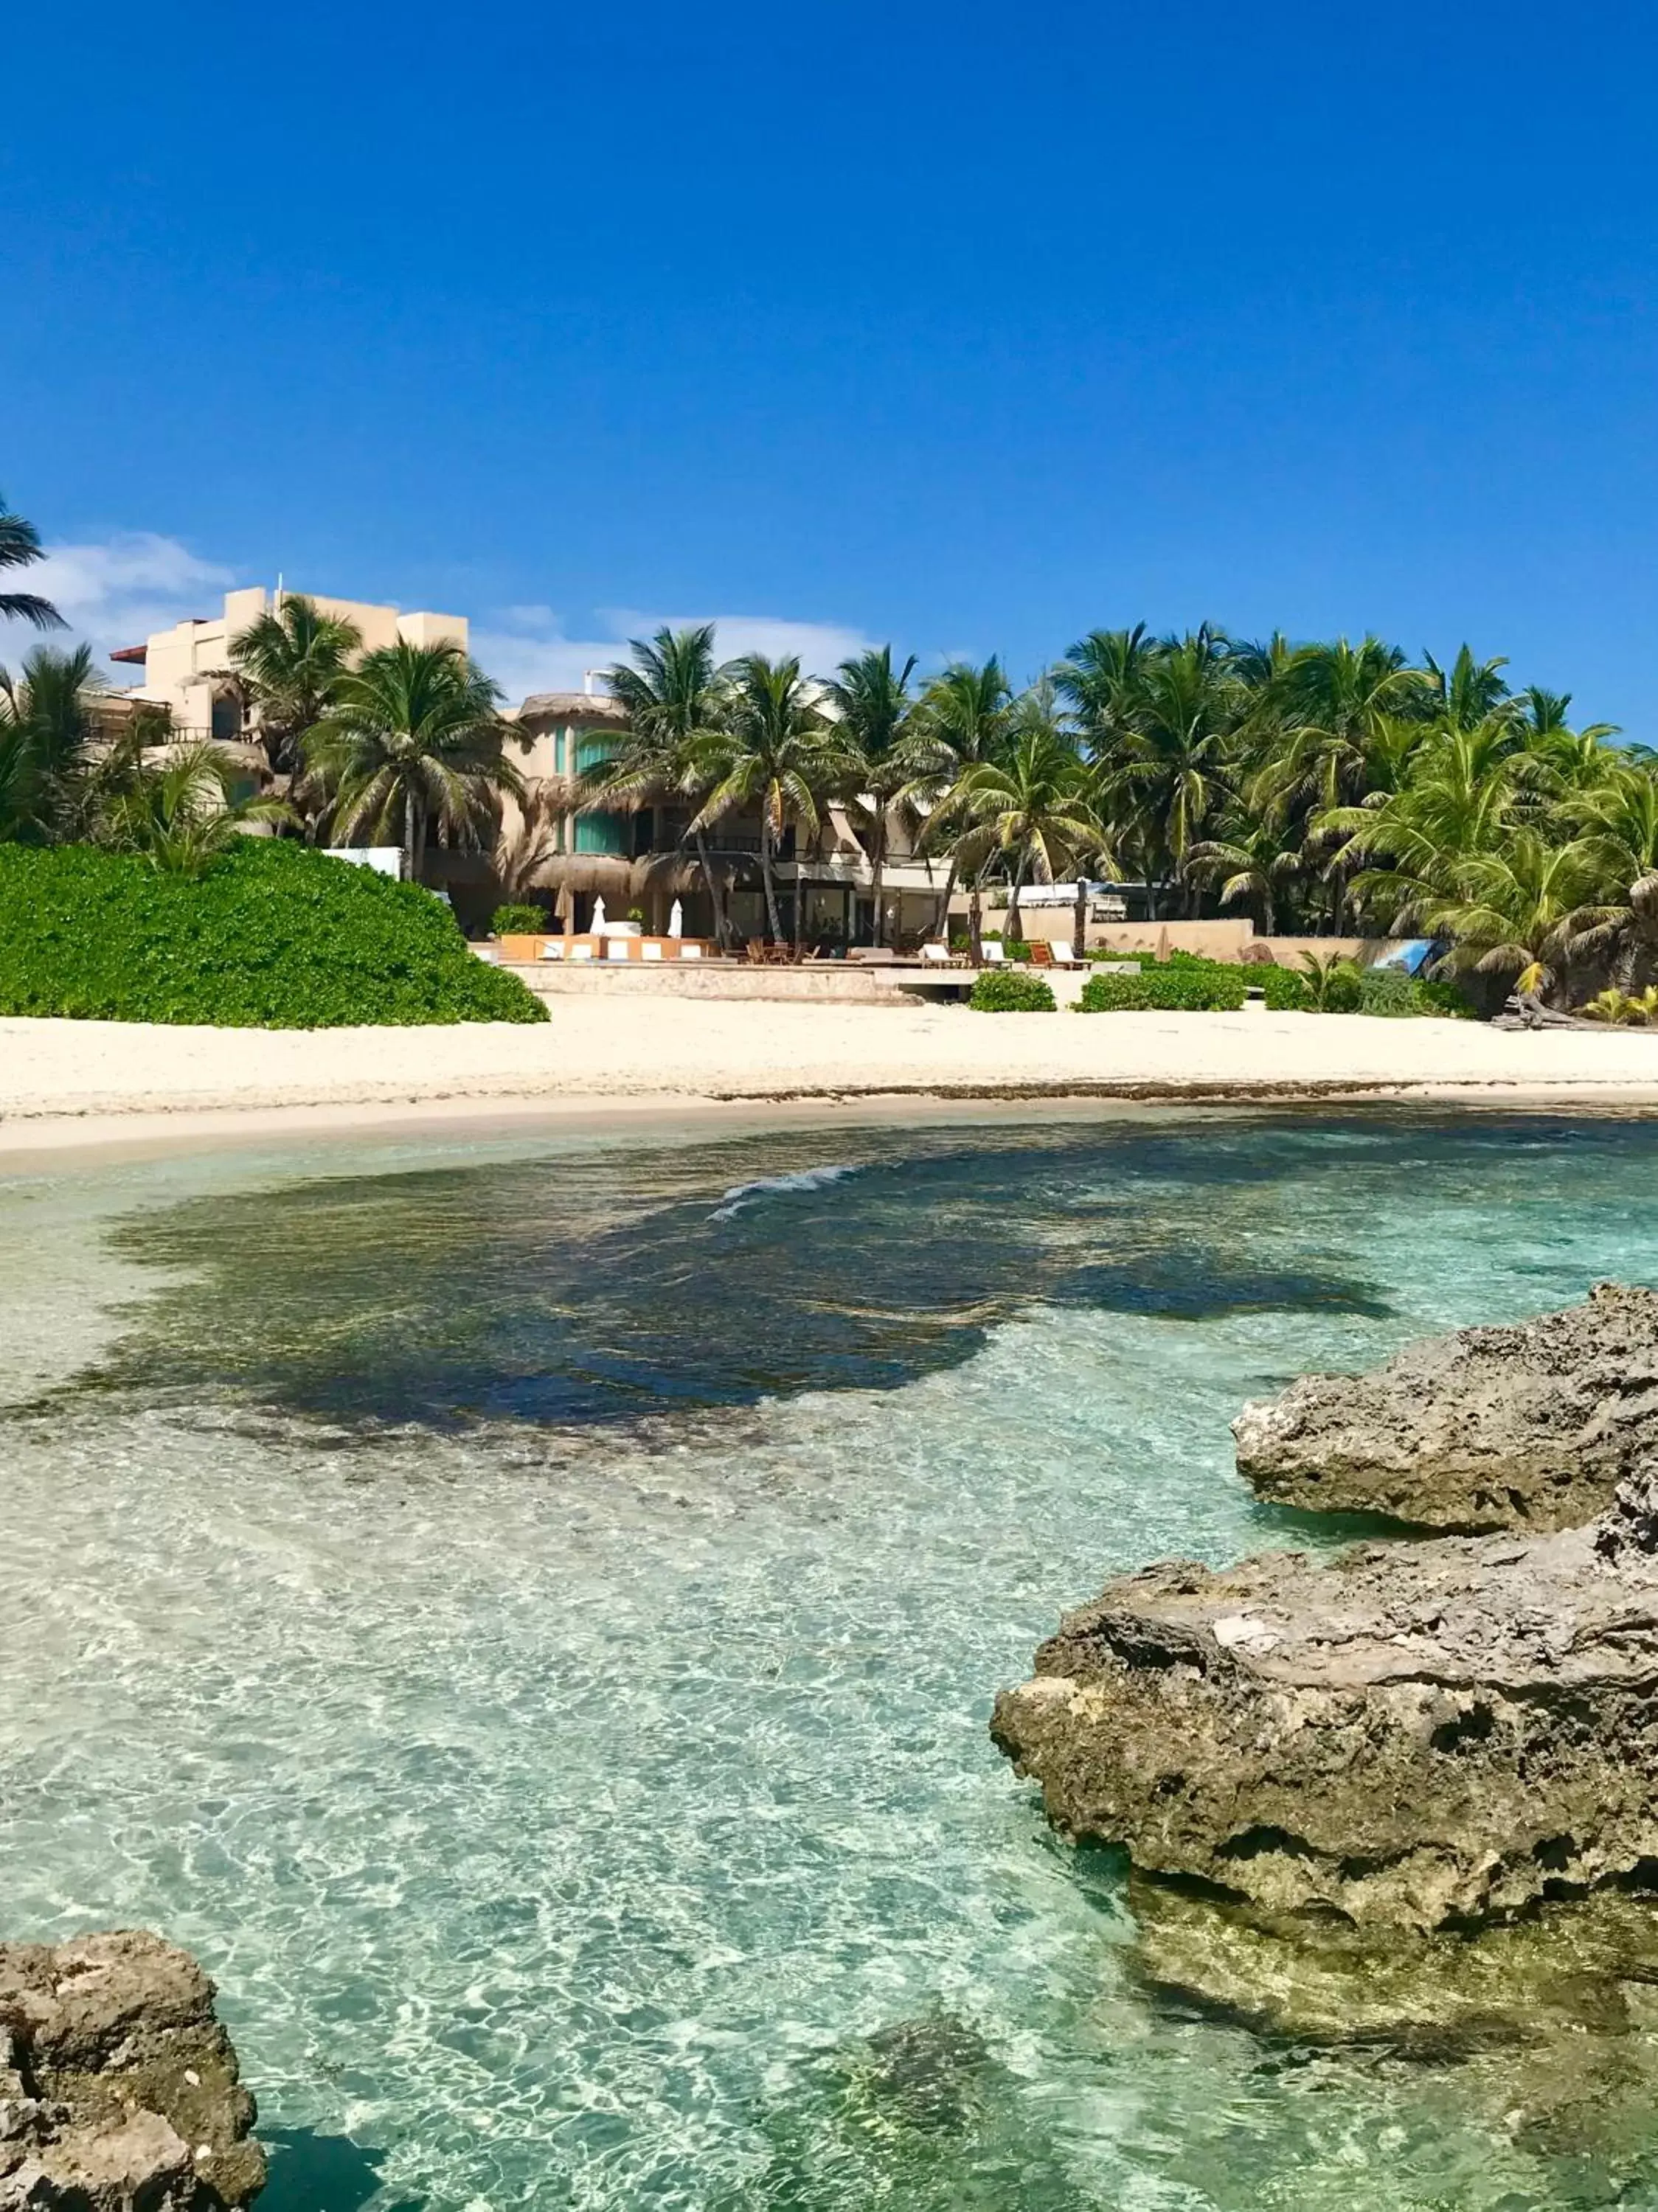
[602, 833]
[591, 748]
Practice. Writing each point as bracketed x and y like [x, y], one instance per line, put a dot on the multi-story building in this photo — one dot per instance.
[645, 857]
[181, 665]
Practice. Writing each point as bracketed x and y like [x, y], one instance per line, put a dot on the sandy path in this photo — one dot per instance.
[665, 1051]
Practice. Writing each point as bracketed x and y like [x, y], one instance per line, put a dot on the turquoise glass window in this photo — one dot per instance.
[602, 833]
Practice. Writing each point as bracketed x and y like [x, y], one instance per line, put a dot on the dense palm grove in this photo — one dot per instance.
[1332, 788]
[1327, 788]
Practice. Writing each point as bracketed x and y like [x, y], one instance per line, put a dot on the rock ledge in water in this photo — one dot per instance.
[119, 2089]
[1527, 1427]
[1410, 1735]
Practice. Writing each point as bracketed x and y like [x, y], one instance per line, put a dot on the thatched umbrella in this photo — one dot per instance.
[603, 875]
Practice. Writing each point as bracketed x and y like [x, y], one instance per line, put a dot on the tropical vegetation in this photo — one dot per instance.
[1328, 788]
[269, 934]
[1324, 789]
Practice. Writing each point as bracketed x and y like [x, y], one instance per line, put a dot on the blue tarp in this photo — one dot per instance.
[1410, 953]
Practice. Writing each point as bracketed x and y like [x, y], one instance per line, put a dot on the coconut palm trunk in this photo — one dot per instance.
[877, 870]
[1015, 929]
[1079, 919]
[768, 879]
[716, 904]
[942, 918]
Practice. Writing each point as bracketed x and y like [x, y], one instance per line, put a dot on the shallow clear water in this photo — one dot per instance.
[528, 1618]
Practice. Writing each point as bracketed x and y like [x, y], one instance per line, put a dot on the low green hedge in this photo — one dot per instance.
[517, 921]
[1185, 990]
[1391, 991]
[999, 992]
[1187, 984]
[274, 936]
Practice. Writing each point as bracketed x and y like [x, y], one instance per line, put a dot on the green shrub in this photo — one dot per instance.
[998, 992]
[1187, 990]
[1390, 991]
[1286, 992]
[520, 920]
[274, 935]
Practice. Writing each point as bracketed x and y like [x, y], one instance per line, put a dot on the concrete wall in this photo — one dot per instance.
[718, 979]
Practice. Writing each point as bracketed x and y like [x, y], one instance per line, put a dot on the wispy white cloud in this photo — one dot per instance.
[114, 591]
[527, 649]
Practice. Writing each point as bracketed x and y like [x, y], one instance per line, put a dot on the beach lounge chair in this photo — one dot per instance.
[1063, 955]
[938, 956]
[1041, 952]
[994, 952]
[552, 948]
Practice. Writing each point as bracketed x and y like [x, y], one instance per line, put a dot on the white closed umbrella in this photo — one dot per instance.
[676, 919]
[598, 916]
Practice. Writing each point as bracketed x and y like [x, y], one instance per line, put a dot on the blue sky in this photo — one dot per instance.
[970, 327]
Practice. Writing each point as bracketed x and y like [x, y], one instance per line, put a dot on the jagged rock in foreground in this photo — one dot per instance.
[1409, 1735]
[1528, 1427]
[118, 2090]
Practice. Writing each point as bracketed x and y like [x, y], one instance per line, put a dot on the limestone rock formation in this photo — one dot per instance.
[1530, 1427]
[118, 2090]
[1409, 1736]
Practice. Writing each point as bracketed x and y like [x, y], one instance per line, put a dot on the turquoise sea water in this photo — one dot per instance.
[526, 1616]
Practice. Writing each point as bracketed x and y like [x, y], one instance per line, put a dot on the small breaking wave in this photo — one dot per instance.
[744, 1195]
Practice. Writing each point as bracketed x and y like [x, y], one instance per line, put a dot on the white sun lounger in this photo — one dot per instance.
[1063, 955]
[995, 956]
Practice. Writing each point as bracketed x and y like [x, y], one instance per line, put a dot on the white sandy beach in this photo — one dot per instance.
[91, 1081]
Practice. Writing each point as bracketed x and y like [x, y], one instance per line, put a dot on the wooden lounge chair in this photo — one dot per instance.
[994, 952]
[1063, 955]
[1041, 952]
[938, 956]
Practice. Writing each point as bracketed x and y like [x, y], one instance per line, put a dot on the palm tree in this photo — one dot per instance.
[1031, 811]
[960, 721]
[1255, 859]
[180, 814]
[290, 664]
[1470, 690]
[1175, 759]
[20, 548]
[44, 730]
[1102, 679]
[778, 752]
[1619, 823]
[676, 700]
[1511, 910]
[871, 703]
[1463, 791]
[412, 739]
